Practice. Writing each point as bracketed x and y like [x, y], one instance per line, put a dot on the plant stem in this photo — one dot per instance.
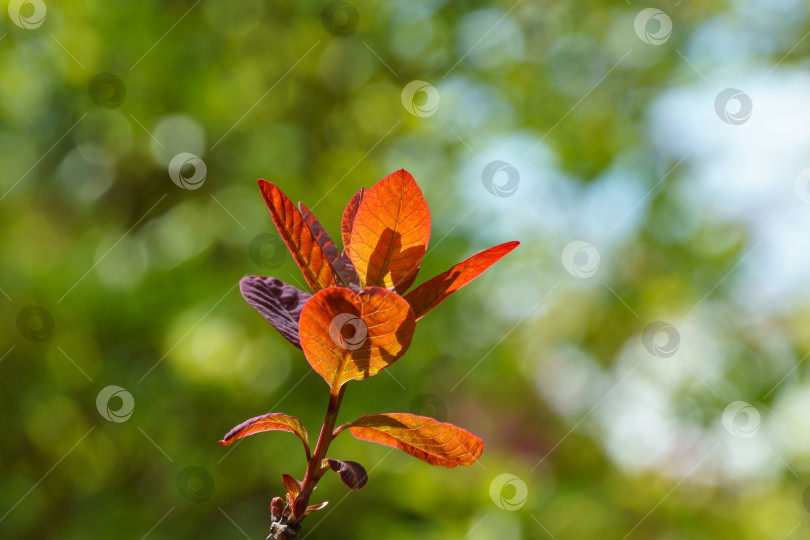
[314, 468]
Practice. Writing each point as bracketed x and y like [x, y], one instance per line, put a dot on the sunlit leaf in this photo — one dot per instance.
[352, 336]
[351, 473]
[431, 293]
[434, 442]
[315, 507]
[267, 422]
[278, 302]
[308, 254]
[292, 485]
[340, 261]
[349, 213]
[390, 232]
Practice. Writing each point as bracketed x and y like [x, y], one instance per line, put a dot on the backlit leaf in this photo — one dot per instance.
[390, 232]
[306, 251]
[315, 507]
[348, 217]
[434, 442]
[431, 293]
[267, 422]
[340, 261]
[291, 484]
[278, 302]
[352, 336]
[351, 473]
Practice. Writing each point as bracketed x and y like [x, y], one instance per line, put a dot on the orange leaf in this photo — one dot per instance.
[292, 484]
[340, 261]
[390, 232]
[352, 336]
[434, 442]
[267, 422]
[306, 251]
[431, 293]
[348, 217]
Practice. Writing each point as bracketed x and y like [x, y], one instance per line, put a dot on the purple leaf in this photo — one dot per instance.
[278, 302]
[340, 262]
[351, 473]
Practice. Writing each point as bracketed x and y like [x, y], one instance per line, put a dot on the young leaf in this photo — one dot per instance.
[291, 484]
[308, 254]
[351, 473]
[390, 232]
[340, 261]
[267, 422]
[434, 442]
[348, 218]
[352, 336]
[278, 302]
[315, 507]
[431, 293]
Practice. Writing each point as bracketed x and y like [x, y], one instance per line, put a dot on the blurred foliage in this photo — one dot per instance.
[138, 276]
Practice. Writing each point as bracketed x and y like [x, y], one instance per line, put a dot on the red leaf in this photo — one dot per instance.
[278, 302]
[308, 254]
[267, 422]
[315, 507]
[340, 261]
[348, 217]
[352, 336]
[292, 485]
[351, 473]
[434, 442]
[390, 232]
[431, 293]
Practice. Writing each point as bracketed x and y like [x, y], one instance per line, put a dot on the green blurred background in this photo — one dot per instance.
[636, 367]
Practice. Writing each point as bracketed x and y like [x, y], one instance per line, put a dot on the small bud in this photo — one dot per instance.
[277, 507]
